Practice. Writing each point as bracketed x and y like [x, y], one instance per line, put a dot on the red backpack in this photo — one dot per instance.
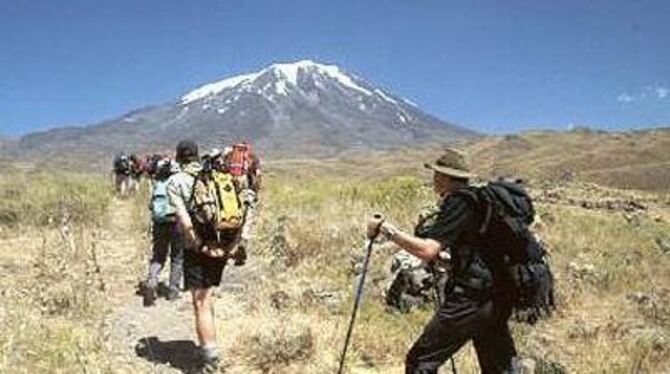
[241, 159]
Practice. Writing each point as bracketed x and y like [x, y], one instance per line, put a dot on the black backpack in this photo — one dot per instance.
[122, 165]
[506, 213]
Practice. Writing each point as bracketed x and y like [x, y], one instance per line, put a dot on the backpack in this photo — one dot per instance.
[507, 212]
[161, 211]
[240, 159]
[215, 201]
[122, 165]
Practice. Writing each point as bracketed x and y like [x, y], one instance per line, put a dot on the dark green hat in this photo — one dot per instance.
[452, 163]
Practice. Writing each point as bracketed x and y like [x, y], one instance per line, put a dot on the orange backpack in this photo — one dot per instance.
[241, 159]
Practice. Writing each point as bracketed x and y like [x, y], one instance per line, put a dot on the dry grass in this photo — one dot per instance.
[603, 256]
[612, 277]
[38, 199]
[53, 309]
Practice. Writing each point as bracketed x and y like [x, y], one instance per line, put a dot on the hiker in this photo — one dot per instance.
[136, 171]
[465, 236]
[209, 216]
[244, 164]
[165, 237]
[121, 171]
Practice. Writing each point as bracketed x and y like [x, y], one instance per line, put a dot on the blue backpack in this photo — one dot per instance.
[161, 211]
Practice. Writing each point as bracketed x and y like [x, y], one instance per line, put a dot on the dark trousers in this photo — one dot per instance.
[167, 239]
[459, 319]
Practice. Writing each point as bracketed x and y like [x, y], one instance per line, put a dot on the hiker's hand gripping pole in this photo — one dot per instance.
[372, 233]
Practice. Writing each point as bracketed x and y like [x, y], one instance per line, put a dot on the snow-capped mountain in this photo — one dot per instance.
[294, 109]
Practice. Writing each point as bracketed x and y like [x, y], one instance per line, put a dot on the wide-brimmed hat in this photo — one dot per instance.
[452, 163]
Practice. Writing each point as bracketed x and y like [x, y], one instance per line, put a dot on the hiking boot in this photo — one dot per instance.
[240, 255]
[173, 295]
[148, 294]
[210, 366]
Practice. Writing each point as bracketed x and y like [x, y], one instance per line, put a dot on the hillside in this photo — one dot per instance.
[627, 160]
[631, 160]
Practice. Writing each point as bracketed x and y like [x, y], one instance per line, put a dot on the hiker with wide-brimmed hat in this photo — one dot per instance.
[471, 307]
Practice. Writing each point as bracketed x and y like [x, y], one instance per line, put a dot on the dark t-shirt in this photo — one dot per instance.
[455, 225]
[455, 216]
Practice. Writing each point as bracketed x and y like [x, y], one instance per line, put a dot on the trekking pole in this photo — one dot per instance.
[357, 300]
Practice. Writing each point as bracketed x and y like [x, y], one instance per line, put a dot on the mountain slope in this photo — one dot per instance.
[297, 109]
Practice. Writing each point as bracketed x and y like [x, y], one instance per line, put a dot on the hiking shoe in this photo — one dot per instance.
[148, 295]
[173, 295]
[240, 256]
[210, 366]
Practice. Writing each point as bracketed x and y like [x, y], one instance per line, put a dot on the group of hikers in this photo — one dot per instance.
[127, 171]
[202, 212]
[479, 253]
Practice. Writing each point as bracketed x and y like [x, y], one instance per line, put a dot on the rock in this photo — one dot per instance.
[545, 366]
[663, 245]
[640, 298]
[583, 330]
[632, 219]
[331, 299]
[583, 271]
[280, 300]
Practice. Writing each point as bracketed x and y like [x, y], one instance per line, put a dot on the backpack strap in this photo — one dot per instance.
[483, 202]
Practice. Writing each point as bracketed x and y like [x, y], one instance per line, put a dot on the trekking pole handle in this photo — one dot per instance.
[374, 231]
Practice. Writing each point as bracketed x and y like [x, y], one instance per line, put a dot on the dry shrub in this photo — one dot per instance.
[54, 317]
[277, 346]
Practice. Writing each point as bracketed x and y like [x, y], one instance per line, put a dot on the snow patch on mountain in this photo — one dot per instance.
[285, 76]
[216, 87]
[385, 96]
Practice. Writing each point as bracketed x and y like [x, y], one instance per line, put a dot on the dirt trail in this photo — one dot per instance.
[161, 338]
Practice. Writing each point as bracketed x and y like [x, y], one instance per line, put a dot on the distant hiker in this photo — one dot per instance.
[166, 238]
[244, 164]
[136, 171]
[496, 267]
[121, 170]
[151, 164]
[209, 217]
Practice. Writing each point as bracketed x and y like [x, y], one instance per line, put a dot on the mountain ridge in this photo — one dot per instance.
[289, 109]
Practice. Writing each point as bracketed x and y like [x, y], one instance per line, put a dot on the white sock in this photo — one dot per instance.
[209, 351]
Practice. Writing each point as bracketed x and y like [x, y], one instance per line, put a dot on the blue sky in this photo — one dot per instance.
[494, 66]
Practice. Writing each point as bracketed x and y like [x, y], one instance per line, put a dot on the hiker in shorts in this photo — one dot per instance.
[474, 306]
[207, 248]
[166, 238]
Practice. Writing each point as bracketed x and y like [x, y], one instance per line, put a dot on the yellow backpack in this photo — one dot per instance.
[215, 200]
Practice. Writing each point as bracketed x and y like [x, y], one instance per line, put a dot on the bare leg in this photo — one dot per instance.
[204, 317]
